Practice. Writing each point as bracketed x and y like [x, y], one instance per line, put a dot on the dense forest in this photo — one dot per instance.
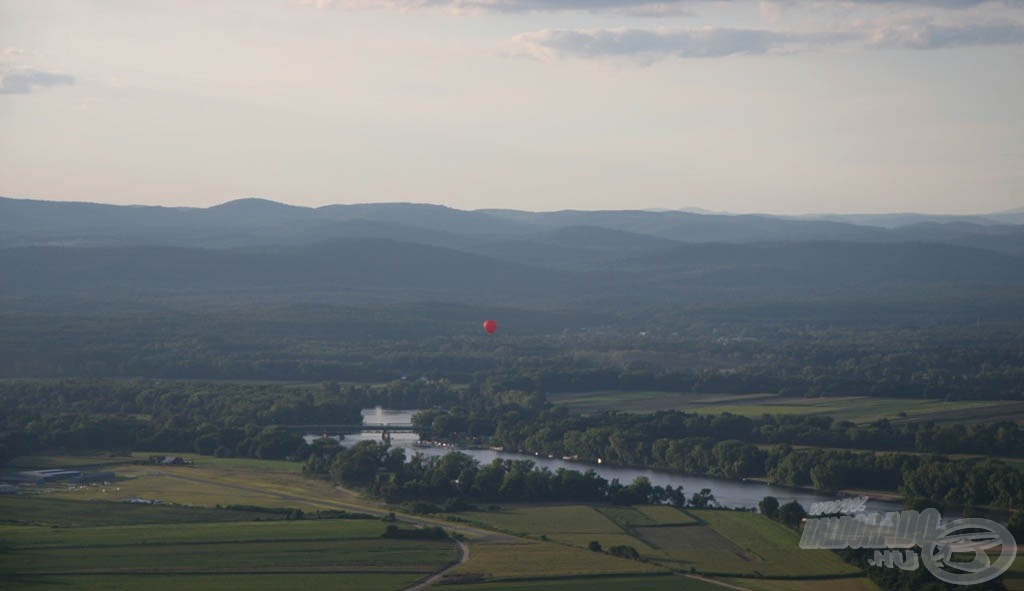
[821, 349]
[254, 420]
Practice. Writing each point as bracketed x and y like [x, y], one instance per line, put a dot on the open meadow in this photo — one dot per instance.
[1014, 578]
[87, 537]
[50, 542]
[858, 409]
[710, 542]
[633, 583]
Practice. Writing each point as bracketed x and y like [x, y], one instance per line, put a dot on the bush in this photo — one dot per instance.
[427, 533]
[769, 507]
[624, 552]
[792, 513]
[423, 508]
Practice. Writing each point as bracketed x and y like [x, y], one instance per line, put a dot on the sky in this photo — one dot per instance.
[785, 107]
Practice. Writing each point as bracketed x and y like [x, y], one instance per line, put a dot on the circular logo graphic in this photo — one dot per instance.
[945, 556]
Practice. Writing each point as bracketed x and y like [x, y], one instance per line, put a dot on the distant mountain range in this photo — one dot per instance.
[249, 222]
[259, 249]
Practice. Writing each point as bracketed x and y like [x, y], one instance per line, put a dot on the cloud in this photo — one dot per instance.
[649, 45]
[771, 11]
[25, 80]
[933, 36]
[948, 4]
[627, 7]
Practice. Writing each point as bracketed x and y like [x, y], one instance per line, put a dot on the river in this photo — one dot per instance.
[732, 493]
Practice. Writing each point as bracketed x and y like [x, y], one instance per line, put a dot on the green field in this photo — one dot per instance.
[546, 520]
[211, 482]
[762, 546]
[1014, 578]
[859, 409]
[844, 584]
[634, 583]
[188, 542]
[219, 582]
[720, 542]
[29, 537]
[515, 559]
[83, 533]
[626, 517]
[665, 515]
[58, 510]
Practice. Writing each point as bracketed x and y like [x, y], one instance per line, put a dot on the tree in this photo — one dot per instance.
[769, 507]
[792, 513]
[703, 499]
[594, 546]
[624, 552]
[1016, 525]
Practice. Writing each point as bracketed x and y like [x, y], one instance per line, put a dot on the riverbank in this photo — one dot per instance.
[882, 495]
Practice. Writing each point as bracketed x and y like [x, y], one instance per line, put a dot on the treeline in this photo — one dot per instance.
[455, 480]
[242, 420]
[630, 438]
[989, 374]
[731, 446]
[214, 418]
[737, 349]
[249, 420]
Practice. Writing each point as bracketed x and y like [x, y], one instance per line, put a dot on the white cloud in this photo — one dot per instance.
[927, 35]
[25, 80]
[652, 8]
[653, 44]
[629, 7]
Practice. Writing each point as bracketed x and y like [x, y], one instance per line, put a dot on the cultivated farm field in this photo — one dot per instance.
[859, 409]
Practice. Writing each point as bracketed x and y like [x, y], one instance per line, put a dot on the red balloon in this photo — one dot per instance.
[490, 326]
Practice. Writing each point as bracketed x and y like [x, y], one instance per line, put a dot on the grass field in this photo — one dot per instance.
[859, 409]
[665, 515]
[28, 537]
[607, 540]
[219, 582]
[189, 544]
[202, 556]
[75, 531]
[626, 517]
[58, 510]
[546, 520]
[723, 542]
[1014, 578]
[528, 558]
[767, 547]
[634, 583]
[212, 482]
[845, 584]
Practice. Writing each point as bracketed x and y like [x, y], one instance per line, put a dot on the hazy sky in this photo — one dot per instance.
[787, 107]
